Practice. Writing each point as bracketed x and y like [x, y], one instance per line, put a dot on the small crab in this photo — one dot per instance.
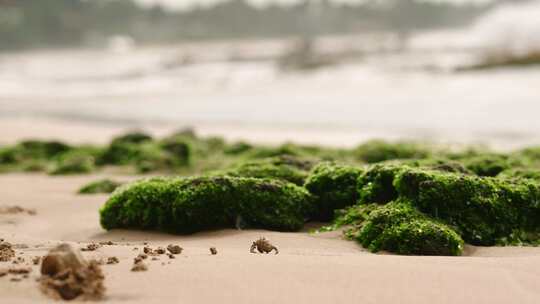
[263, 246]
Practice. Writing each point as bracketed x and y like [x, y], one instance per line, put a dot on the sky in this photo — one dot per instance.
[183, 4]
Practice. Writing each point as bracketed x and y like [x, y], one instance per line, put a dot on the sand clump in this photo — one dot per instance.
[17, 273]
[138, 264]
[174, 249]
[6, 251]
[16, 210]
[91, 247]
[66, 275]
[154, 252]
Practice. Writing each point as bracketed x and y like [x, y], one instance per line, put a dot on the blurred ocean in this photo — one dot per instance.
[410, 92]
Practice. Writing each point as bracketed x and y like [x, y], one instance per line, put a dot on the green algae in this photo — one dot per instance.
[333, 187]
[400, 228]
[99, 186]
[188, 205]
[375, 151]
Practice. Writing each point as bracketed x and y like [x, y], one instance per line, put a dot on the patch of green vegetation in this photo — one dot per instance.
[483, 210]
[74, 162]
[375, 151]
[188, 205]
[351, 217]
[398, 227]
[520, 173]
[376, 183]
[487, 164]
[286, 168]
[238, 148]
[334, 187]
[99, 186]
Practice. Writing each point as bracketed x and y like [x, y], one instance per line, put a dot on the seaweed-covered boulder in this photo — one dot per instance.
[334, 187]
[99, 186]
[124, 149]
[376, 183]
[519, 173]
[237, 148]
[179, 149]
[285, 168]
[32, 150]
[41, 149]
[378, 150]
[399, 228]
[187, 205]
[134, 137]
[8, 156]
[485, 211]
[488, 164]
[436, 164]
[74, 162]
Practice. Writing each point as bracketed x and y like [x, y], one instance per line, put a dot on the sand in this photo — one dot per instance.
[309, 268]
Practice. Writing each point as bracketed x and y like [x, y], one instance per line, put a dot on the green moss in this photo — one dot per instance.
[34, 166]
[134, 137]
[238, 148]
[8, 156]
[377, 151]
[437, 164]
[351, 217]
[187, 205]
[484, 210]
[487, 164]
[517, 173]
[334, 187]
[74, 162]
[265, 152]
[375, 185]
[286, 168]
[99, 186]
[179, 149]
[398, 227]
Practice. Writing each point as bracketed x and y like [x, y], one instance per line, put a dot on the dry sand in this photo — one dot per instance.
[309, 269]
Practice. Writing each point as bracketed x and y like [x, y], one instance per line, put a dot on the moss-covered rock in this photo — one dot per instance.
[99, 186]
[519, 173]
[8, 156]
[285, 168]
[484, 210]
[74, 162]
[134, 137]
[180, 151]
[376, 183]
[398, 227]
[488, 164]
[377, 151]
[334, 187]
[187, 205]
[237, 148]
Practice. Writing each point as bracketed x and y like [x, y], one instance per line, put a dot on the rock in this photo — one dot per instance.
[113, 260]
[174, 249]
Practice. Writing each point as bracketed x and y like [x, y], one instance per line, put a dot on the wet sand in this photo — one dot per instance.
[309, 268]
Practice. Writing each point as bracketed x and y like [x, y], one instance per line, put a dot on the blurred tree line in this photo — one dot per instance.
[68, 23]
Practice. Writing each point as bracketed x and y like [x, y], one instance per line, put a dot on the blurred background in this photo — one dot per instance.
[310, 71]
